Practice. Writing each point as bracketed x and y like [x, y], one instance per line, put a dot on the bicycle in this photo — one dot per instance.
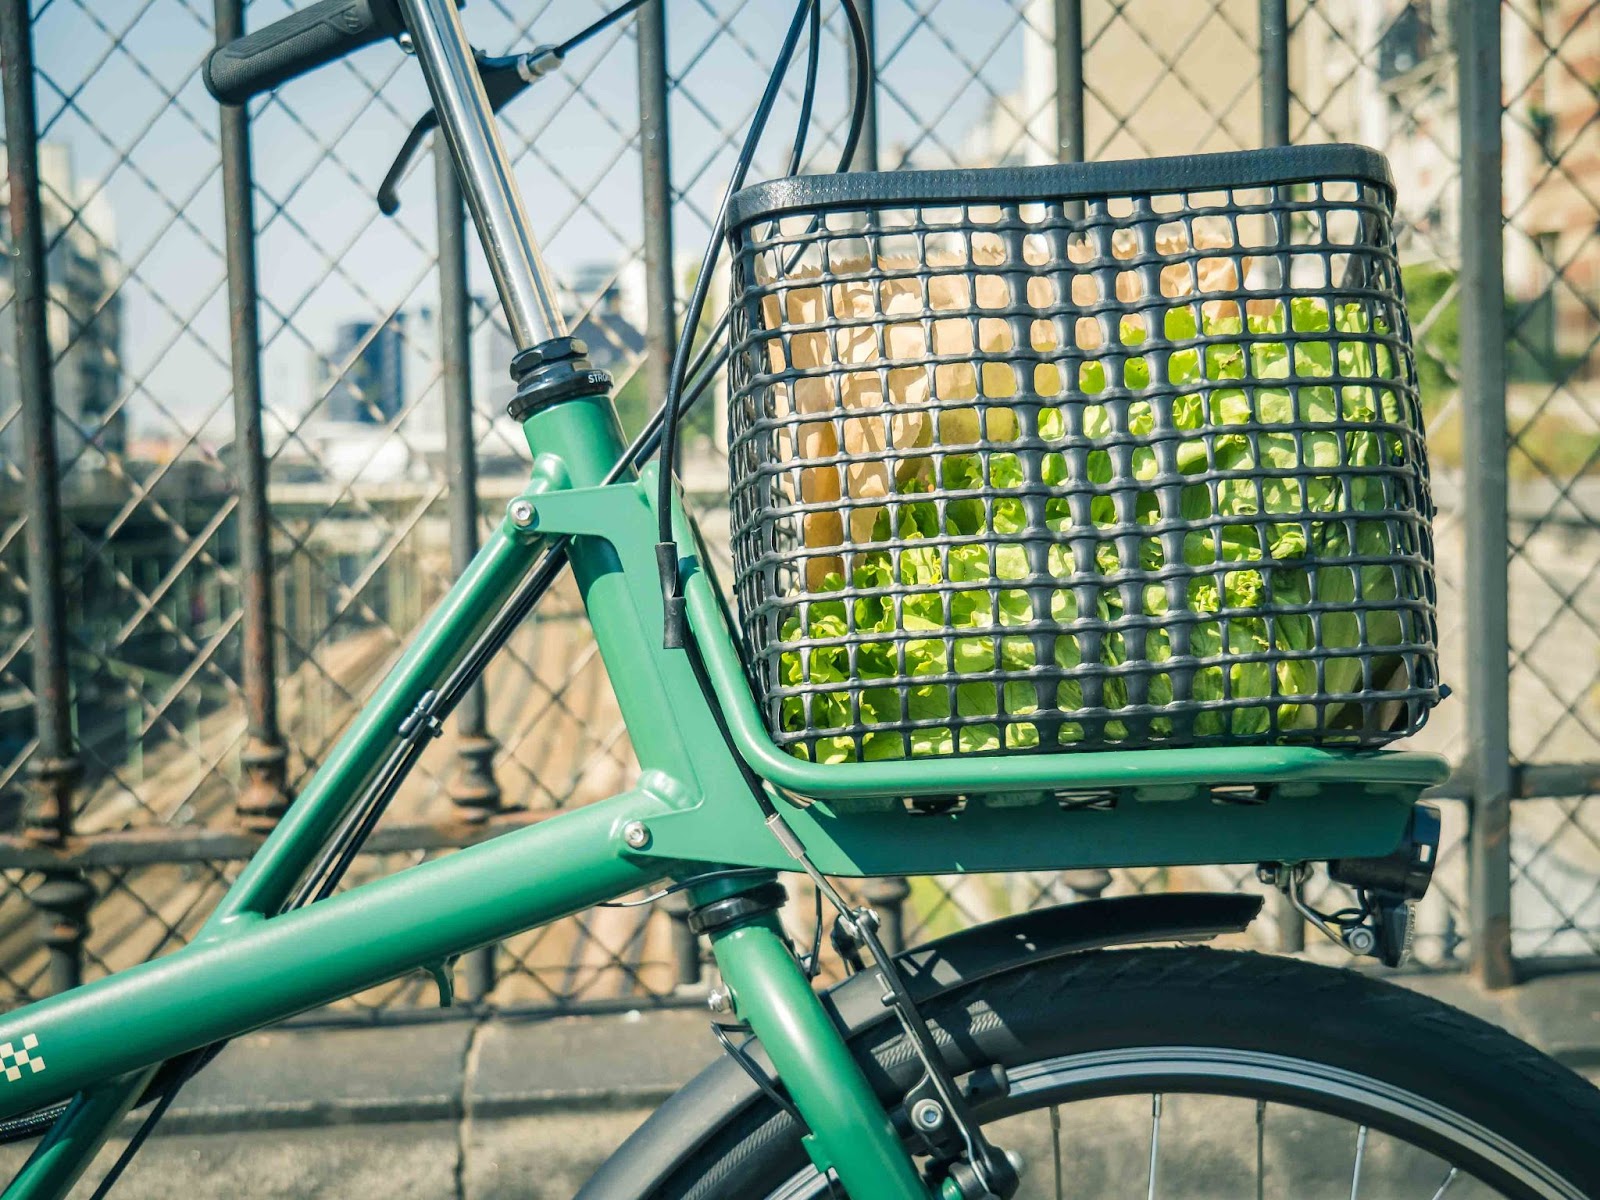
[986, 622]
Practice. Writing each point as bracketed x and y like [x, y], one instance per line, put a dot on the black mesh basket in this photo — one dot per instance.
[1096, 456]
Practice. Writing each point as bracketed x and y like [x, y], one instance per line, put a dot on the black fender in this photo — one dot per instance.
[719, 1093]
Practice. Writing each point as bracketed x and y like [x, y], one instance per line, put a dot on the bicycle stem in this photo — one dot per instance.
[488, 185]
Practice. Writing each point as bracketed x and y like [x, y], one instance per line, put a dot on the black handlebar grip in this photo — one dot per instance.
[311, 37]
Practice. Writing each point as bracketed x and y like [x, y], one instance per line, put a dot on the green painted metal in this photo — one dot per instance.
[583, 435]
[671, 728]
[249, 968]
[849, 1129]
[272, 874]
[1316, 804]
[63, 1154]
[1023, 772]
[1186, 827]
[265, 969]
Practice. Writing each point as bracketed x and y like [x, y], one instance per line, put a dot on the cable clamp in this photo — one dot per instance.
[538, 62]
[420, 724]
[674, 615]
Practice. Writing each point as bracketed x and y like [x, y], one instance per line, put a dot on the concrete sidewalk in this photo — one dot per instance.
[505, 1107]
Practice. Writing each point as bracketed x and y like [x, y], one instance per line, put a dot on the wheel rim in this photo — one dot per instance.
[1472, 1153]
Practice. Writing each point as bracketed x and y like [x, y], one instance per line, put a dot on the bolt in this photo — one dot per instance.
[927, 1115]
[521, 512]
[636, 835]
[1360, 940]
[720, 999]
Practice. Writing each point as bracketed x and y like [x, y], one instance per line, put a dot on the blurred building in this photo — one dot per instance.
[364, 372]
[603, 304]
[84, 317]
[1199, 105]
[1384, 74]
[1553, 171]
[380, 418]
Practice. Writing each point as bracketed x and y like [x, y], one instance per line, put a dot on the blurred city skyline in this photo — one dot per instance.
[144, 163]
[129, 137]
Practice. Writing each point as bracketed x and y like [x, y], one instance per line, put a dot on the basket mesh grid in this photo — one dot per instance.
[1025, 462]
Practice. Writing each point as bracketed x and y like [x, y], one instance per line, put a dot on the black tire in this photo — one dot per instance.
[1232, 1005]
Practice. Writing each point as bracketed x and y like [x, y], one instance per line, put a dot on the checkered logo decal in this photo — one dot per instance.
[12, 1059]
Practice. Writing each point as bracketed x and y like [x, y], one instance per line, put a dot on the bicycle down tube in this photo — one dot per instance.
[252, 965]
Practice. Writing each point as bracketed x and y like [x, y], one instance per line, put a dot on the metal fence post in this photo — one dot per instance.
[1273, 32]
[474, 790]
[655, 151]
[1090, 883]
[1483, 390]
[685, 943]
[887, 895]
[661, 329]
[63, 899]
[54, 765]
[265, 795]
[1069, 81]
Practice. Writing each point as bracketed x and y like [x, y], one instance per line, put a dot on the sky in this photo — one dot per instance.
[118, 86]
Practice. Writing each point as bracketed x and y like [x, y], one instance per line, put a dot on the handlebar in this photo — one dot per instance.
[295, 44]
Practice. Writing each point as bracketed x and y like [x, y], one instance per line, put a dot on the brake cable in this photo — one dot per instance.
[675, 625]
[504, 78]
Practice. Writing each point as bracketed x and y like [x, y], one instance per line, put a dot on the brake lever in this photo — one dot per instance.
[504, 78]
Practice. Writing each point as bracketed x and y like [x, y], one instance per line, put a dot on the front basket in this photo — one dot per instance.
[1096, 456]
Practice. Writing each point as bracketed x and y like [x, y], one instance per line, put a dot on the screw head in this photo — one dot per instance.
[720, 999]
[636, 835]
[1360, 940]
[521, 512]
[927, 1115]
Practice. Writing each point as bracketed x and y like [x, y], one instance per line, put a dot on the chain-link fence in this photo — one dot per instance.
[277, 428]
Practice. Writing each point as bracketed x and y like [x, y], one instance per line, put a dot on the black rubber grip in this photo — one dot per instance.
[309, 38]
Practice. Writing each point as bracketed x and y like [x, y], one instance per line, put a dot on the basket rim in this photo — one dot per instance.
[1063, 181]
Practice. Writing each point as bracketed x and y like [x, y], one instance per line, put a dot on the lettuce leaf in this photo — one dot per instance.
[1066, 591]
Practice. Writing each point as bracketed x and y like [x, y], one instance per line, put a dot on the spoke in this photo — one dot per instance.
[1261, 1157]
[1155, 1139]
[1445, 1186]
[1055, 1140]
[1361, 1153]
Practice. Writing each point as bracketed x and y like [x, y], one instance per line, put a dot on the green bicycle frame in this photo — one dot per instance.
[690, 811]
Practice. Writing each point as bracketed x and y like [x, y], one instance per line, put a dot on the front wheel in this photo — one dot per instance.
[1197, 1073]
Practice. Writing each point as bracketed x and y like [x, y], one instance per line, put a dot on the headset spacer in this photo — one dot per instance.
[553, 372]
[731, 910]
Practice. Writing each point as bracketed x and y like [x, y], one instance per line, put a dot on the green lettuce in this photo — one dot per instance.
[1003, 629]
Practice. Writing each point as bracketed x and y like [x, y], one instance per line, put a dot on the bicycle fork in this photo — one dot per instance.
[850, 1134]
